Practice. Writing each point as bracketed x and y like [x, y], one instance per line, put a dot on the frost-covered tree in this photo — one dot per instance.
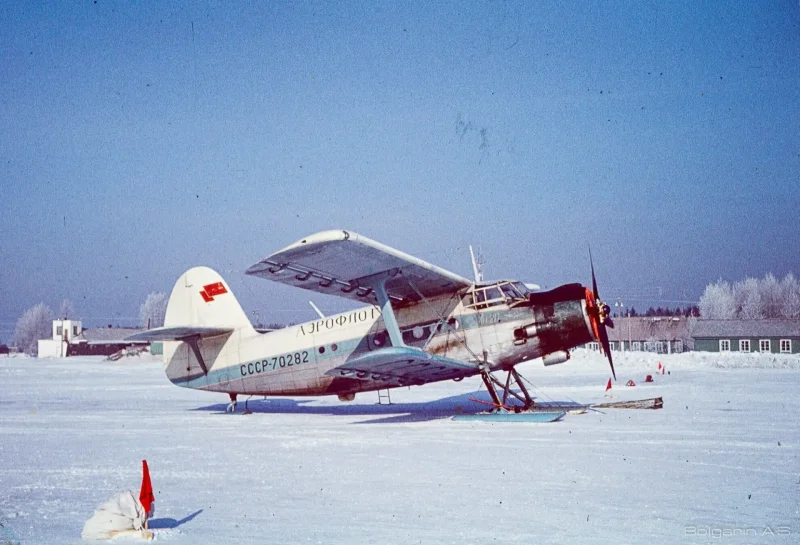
[789, 298]
[753, 299]
[36, 323]
[717, 302]
[66, 311]
[747, 296]
[153, 310]
[770, 290]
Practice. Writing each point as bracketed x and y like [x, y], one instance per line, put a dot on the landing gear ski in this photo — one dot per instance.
[493, 382]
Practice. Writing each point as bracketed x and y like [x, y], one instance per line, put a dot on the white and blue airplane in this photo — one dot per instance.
[420, 324]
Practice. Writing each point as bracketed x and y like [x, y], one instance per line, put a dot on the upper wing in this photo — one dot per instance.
[344, 264]
[405, 366]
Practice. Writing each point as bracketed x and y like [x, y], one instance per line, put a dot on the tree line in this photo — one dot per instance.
[752, 299]
[685, 311]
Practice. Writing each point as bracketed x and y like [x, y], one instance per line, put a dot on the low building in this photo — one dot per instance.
[71, 339]
[662, 335]
[773, 336]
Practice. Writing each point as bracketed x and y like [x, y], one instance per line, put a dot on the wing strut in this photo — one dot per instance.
[387, 312]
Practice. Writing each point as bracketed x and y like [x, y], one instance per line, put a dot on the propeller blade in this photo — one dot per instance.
[607, 348]
[605, 322]
[594, 280]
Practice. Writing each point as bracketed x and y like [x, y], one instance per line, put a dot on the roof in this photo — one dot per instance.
[746, 328]
[648, 329]
[105, 335]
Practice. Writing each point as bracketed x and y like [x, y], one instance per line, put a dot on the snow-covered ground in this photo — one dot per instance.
[721, 458]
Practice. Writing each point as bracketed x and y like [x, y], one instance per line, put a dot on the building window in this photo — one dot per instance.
[744, 345]
[593, 346]
[637, 345]
[786, 346]
[724, 345]
[59, 330]
[75, 330]
[764, 345]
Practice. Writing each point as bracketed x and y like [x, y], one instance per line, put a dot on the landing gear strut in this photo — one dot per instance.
[231, 408]
[492, 384]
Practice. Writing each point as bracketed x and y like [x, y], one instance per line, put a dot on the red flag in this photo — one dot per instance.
[146, 494]
[608, 386]
[659, 366]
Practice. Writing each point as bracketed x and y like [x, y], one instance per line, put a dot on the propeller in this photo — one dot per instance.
[599, 317]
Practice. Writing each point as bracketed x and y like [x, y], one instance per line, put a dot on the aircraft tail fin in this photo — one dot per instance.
[201, 306]
[202, 299]
[207, 324]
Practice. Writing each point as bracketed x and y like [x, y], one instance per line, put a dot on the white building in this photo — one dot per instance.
[63, 333]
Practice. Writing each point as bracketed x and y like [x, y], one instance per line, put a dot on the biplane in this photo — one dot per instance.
[419, 324]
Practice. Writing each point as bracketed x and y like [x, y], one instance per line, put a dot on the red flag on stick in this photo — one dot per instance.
[608, 386]
[146, 494]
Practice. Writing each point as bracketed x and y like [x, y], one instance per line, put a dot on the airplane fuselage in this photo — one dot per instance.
[296, 360]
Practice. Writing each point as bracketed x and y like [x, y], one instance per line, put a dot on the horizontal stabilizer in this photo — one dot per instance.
[178, 333]
[404, 365]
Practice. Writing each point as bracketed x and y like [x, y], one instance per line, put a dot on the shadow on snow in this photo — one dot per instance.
[387, 414]
[158, 524]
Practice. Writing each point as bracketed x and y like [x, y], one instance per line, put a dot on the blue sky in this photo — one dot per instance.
[139, 140]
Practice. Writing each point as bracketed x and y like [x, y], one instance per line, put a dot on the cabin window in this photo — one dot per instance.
[786, 346]
[764, 345]
[744, 345]
[724, 345]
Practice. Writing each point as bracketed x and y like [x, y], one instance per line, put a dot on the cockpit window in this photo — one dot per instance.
[493, 293]
[510, 291]
[501, 293]
[522, 289]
